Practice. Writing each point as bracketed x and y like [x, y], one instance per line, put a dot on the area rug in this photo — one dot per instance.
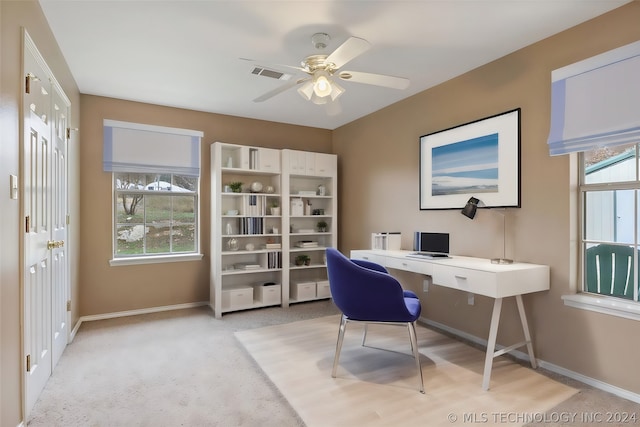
[377, 384]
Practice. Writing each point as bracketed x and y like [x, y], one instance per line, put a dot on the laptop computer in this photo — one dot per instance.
[431, 245]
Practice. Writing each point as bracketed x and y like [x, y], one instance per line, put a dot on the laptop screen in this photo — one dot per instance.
[434, 242]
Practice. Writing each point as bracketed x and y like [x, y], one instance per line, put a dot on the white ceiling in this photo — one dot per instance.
[187, 54]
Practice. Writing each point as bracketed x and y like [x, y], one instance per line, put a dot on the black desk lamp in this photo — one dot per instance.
[469, 211]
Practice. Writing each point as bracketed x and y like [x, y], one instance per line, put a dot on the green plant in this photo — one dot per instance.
[236, 187]
[303, 260]
[322, 225]
[275, 203]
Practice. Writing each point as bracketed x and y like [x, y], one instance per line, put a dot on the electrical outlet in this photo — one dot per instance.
[471, 298]
[426, 283]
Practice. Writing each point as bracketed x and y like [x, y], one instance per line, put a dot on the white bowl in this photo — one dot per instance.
[232, 212]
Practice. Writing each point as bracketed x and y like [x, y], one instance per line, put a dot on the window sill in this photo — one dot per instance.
[160, 259]
[603, 304]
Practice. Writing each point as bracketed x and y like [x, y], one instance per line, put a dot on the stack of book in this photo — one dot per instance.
[307, 244]
[247, 266]
[273, 246]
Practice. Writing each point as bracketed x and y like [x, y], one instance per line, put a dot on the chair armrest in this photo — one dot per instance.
[370, 265]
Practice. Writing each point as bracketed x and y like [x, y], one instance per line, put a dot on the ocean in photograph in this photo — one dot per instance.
[466, 167]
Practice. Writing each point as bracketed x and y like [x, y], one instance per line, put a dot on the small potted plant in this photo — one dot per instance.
[303, 260]
[236, 187]
[275, 207]
[322, 226]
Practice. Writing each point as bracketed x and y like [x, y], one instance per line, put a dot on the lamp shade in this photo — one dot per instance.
[470, 208]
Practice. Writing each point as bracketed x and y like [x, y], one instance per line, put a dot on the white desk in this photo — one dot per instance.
[478, 276]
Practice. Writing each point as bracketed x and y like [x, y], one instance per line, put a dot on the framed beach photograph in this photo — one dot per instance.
[479, 159]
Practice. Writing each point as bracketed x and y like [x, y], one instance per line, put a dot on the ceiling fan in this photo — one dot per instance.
[320, 86]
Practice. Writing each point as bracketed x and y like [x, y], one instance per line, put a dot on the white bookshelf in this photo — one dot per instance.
[248, 269]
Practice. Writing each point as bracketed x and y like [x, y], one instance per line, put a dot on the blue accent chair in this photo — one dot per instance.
[365, 292]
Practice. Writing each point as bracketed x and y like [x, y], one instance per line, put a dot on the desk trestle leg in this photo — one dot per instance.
[493, 332]
[491, 343]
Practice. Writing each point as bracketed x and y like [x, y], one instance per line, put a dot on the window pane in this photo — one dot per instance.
[184, 220]
[609, 216]
[184, 238]
[129, 208]
[610, 164]
[129, 181]
[187, 182]
[609, 270]
[159, 238]
[130, 239]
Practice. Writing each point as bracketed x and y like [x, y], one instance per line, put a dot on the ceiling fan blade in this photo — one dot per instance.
[271, 65]
[279, 90]
[354, 46]
[375, 79]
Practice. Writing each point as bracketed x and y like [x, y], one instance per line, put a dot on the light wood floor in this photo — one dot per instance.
[377, 387]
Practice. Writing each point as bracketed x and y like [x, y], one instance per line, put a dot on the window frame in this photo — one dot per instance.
[582, 299]
[151, 258]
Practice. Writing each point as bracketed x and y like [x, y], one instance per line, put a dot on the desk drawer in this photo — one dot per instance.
[368, 256]
[477, 282]
[411, 265]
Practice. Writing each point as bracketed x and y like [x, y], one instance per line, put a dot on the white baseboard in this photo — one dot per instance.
[609, 388]
[132, 313]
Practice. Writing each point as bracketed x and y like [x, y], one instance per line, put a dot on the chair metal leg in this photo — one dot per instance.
[364, 336]
[336, 358]
[416, 354]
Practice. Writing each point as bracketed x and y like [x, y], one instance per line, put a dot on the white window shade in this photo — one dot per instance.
[596, 102]
[133, 147]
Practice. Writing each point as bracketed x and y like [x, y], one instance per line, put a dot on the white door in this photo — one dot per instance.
[59, 261]
[45, 278]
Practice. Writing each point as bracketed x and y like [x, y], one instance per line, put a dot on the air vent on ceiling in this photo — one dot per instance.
[262, 71]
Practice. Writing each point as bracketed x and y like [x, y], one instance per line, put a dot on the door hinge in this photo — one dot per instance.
[28, 363]
[68, 219]
[69, 305]
[27, 227]
[27, 81]
[69, 132]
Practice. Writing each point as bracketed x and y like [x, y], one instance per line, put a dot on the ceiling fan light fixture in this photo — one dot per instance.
[306, 90]
[336, 91]
[321, 84]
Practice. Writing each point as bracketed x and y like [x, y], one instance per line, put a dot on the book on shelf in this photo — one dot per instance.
[307, 193]
[307, 244]
[306, 230]
[273, 245]
[274, 259]
[247, 266]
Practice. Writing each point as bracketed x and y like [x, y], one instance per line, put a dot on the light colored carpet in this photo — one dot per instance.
[186, 368]
[379, 388]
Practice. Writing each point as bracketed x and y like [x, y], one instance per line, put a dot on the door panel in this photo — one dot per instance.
[59, 264]
[37, 281]
[46, 271]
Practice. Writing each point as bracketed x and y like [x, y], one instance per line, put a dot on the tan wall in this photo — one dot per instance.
[378, 187]
[14, 16]
[107, 289]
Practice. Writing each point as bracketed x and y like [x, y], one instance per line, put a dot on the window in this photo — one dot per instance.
[594, 112]
[609, 189]
[155, 214]
[156, 174]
